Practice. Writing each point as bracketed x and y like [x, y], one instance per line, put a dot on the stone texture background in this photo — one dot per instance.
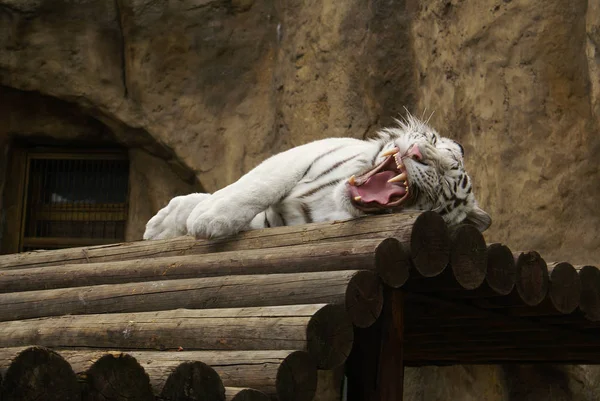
[202, 90]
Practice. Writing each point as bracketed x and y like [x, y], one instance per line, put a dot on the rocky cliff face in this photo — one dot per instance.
[215, 86]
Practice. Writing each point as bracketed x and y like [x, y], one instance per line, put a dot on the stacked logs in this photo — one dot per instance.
[254, 316]
[265, 313]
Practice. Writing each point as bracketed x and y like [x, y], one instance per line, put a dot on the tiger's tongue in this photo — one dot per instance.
[377, 189]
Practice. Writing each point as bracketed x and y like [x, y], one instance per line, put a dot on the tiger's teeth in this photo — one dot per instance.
[398, 161]
[357, 198]
[352, 181]
[390, 152]
[398, 178]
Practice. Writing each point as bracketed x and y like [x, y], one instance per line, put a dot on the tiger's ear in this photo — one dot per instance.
[478, 218]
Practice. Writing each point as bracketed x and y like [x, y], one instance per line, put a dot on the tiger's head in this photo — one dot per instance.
[417, 169]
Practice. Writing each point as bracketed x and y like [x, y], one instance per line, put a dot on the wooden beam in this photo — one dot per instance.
[390, 377]
[375, 369]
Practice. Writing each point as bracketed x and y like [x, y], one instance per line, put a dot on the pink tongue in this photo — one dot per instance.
[377, 189]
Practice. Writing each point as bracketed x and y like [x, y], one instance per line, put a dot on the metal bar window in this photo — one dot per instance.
[75, 199]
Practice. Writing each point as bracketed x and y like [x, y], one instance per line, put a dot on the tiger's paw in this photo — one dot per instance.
[219, 220]
[170, 221]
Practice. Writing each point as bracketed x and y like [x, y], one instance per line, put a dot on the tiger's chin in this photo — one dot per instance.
[384, 188]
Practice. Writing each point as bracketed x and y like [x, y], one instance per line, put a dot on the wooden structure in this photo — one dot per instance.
[265, 313]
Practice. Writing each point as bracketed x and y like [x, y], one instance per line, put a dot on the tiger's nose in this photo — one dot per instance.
[414, 152]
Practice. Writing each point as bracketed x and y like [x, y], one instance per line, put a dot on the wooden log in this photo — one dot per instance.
[589, 303]
[562, 297]
[244, 394]
[564, 290]
[531, 286]
[468, 256]
[109, 376]
[424, 237]
[501, 274]
[288, 375]
[532, 277]
[399, 225]
[499, 280]
[359, 291]
[37, 373]
[386, 256]
[467, 268]
[324, 331]
[429, 244]
[190, 381]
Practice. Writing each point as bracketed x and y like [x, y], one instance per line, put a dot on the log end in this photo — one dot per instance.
[194, 381]
[244, 394]
[589, 303]
[392, 262]
[364, 298]
[330, 336]
[39, 373]
[532, 278]
[468, 256]
[430, 244]
[297, 378]
[117, 376]
[501, 269]
[565, 287]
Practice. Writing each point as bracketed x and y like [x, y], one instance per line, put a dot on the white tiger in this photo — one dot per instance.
[410, 167]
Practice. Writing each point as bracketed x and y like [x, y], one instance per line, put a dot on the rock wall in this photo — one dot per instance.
[215, 86]
[518, 83]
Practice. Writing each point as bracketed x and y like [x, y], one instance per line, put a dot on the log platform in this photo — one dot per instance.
[265, 314]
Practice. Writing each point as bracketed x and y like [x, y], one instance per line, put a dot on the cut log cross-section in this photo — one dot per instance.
[190, 381]
[564, 289]
[244, 394]
[324, 331]
[109, 376]
[287, 375]
[532, 277]
[37, 373]
[467, 265]
[501, 273]
[589, 302]
[359, 291]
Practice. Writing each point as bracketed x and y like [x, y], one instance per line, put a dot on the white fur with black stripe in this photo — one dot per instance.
[309, 183]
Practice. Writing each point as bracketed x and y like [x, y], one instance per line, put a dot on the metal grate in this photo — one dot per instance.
[75, 200]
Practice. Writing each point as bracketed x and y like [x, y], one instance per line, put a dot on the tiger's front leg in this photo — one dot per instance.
[231, 209]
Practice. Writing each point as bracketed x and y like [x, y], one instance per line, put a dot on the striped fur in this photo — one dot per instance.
[309, 184]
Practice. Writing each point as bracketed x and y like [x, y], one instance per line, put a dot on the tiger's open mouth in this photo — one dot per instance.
[383, 187]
